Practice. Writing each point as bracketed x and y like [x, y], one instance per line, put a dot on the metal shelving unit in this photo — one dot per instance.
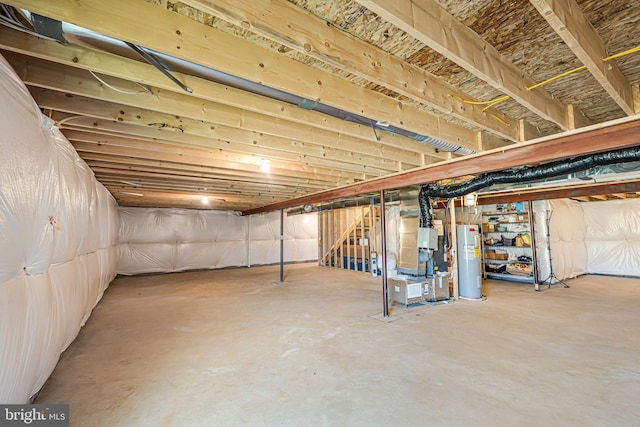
[514, 223]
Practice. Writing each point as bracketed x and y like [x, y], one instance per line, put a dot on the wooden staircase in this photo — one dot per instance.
[347, 237]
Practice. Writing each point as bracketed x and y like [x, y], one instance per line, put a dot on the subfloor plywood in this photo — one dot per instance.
[235, 348]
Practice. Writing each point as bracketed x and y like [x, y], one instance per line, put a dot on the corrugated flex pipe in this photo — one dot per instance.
[523, 174]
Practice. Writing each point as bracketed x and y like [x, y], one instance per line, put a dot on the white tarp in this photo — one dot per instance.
[568, 250]
[613, 237]
[58, 235]
[155, 240]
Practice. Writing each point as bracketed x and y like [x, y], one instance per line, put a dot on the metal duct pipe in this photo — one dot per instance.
[83, 36]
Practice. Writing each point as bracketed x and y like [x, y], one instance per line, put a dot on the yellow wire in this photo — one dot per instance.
[624, 53]
[466, 101]
[498, 100]
[499, 119]
[566, 73]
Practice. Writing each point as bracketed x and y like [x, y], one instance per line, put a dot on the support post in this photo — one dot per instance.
[534, 255]
[249, 242]
[454, 245]
[383, 232]
[281, 245]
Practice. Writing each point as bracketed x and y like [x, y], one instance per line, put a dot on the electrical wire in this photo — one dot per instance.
[466, 101]
[566, 73]
[623, 53]
[126, 92]
[66, 119]
[500, 99]
[9, 19]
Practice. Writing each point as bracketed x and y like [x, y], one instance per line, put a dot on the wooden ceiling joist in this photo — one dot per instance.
[107, 64]
[252, 155]
[428, 22]
[566, 18]
[166, 31]
[105, 152]
[296, 28]
[230, 120]
[582, 192]
[137, 164]
[311, 144]
[122, 146]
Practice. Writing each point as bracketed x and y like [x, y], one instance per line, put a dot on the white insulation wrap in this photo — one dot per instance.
[58, 235]
[540, 216]
[168, 240]
[568, 250]
[613, 237]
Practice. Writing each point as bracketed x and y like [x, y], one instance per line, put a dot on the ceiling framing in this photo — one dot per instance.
[418, 65]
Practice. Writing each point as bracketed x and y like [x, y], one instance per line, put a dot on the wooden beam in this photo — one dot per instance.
[133, 163]
[566, 19]
[107, 64]
[253, 129]
[298, 29]
[297, 138]
[154, 27]
[117, 145]
[431, 24]
[250, 154]
[598, 138]
[177, 177]
[94, 151]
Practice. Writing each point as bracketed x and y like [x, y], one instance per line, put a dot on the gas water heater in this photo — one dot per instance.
[469, 265]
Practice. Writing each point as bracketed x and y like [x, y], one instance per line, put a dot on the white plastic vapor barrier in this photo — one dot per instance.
[154, 240]
[58, 235]
[540, 217]
[568, 250]
[613, 237]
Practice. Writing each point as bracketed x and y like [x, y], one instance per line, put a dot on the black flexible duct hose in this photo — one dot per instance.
[425, 209]
[531, 173]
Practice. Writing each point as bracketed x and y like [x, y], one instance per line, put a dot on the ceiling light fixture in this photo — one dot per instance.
[264, 165]
[205, 200]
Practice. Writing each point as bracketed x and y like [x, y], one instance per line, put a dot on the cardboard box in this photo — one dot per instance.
[493, 255]
[522, 218]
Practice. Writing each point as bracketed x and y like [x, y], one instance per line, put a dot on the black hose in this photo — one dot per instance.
[425, 209]
[529, 173]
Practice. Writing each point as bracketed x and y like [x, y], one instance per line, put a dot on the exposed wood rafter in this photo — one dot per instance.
[298, 29]
[428, 22]
[177, 35]
[566, 18]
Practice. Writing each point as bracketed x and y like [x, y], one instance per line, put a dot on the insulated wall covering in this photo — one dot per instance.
[58, 235]
[568, 250]
[168, 240]
[613, 237]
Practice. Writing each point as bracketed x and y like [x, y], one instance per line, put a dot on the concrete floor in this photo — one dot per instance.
[234, 348]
